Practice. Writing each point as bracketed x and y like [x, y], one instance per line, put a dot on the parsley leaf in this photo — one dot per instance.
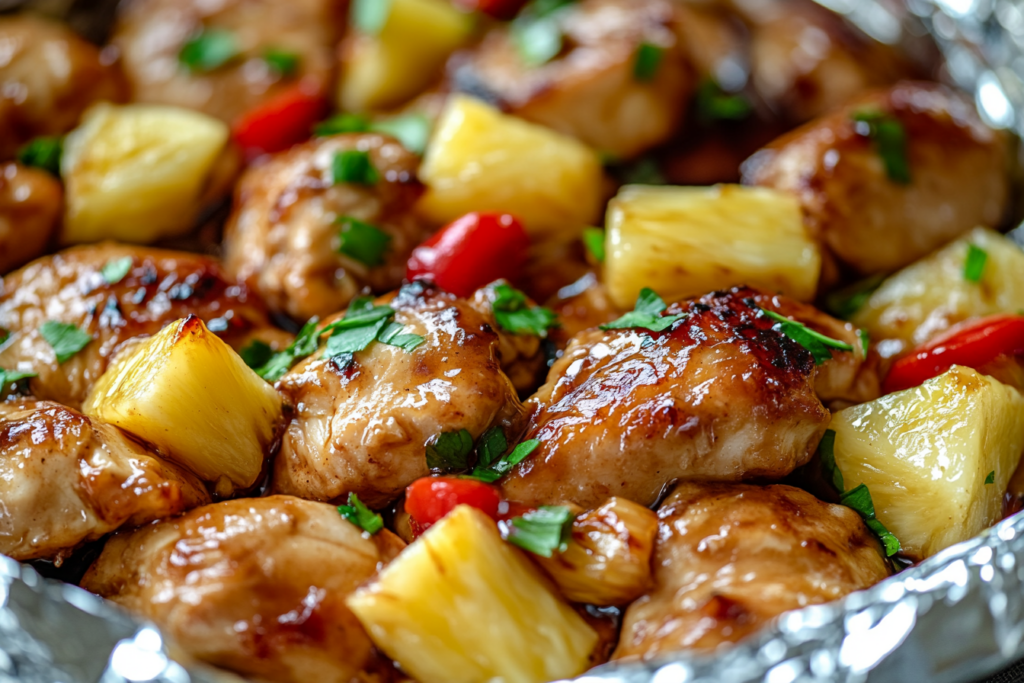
[648, 59]
[714, 104]
[974, 264]
[65, 339]
[593, 240]
[208, 50]
[646, 314]
[537, 33]
[412, 130]
[865, 340]
[360, 515]
[513, 315]
[815, 342]
[283, 62]
[844, 303]
[44, 152]
[11, 376]
[256, 353]
[492, 445]
[859, 499]
[115, 270]
[369, 16]
[991, 478]
[342, 123]
[890, 140]
[364, 242]
[827, 450]
[353, 166]
[449, 451]
[353, 339]
[494, 470]
[305, 343]
[393, 336]
[542, 531]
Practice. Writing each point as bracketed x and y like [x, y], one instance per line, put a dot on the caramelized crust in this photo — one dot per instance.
[30, 209]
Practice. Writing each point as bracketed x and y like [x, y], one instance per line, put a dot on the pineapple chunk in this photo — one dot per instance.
[461, 606]
[482, 160]
[932, 295]
[685, 241]
[189, 394]
[925, 453]
[386, 69]
[137, 173]
[608, 559]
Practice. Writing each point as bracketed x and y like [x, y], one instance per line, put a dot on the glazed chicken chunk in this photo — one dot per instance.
[594, 89]
[364, 428]
[114, 294]
[873, 219]
[66, 479]
[255, 585]
[289, 233]
[48, 77]
[30, 211]
[731, 557]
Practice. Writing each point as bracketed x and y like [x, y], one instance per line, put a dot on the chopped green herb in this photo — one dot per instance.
[537, 32]
[360, 515]
[890, 140]
[714, 104]
[115, 270]
[646, 314]
[542, 531]
[593, 240]
[513, 315]
[827, 450]
[305, 343]
[991, 478]
[859, 499]
[844, 303]
[43, 152]
[208, 50]
[491, 447]
[65, 339]
[815, 342]
[284, 62]
[865, 340]
[449, 451]
[256, 353]
[648, 59]
[369, 16]
[8, 377]
[974, 265]
[496, 469]
[342, 123]
[352, 339]
[353, 166]
[364, 242]
[393, 336]
[412, 130]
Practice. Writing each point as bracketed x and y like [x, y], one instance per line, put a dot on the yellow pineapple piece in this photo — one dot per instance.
[926, 452]
[460, 605]
[687, 241]
[479, 159]
[189, 394]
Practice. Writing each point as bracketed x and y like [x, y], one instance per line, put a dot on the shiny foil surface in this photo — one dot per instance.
[958, 616]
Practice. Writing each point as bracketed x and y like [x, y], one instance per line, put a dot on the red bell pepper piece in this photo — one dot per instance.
[429, 499]
[499, 9]
[281, 121]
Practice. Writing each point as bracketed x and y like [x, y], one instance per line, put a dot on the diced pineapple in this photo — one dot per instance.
[932, 295]
[461, 606]
[608, 560]
[685, 241]
[403, 57]
[189, 394]
[479, 159]
[137, 173]
[926, 452]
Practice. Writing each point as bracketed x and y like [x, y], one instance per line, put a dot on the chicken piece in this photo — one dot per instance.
[256, 585]
[521, 355]
[159, 287]
[730, 557]
[284, 234]
[48, 77]
[874, 224]
[581, 306]
[151, 35]
[719, 395]
[66, 479]
[590, 90]
[30, 211]
[364, 429]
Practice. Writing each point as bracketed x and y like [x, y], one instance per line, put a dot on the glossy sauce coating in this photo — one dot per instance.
[730, 557]
[521, 355]
[364, 429]
[254, 585]
[30, 211]
[66, 479]
[160, 287]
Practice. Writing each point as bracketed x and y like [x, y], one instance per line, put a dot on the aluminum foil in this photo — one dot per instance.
[958, 616]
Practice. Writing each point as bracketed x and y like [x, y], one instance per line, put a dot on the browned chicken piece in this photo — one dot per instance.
[719, 395]
[521, 355]
[158, 288]
[151, 35]
[868, 221]
[48, 77]
[285, 233]
[731, 557]
[31, 204]
[591, 89]
[581, 306]
[66, 479]
[256, 585]
[364, 428]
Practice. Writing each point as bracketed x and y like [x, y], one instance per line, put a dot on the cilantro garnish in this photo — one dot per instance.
[208, 50]
[648, 59]
[593, 240]
[364, 242]
[542, 531]
[284, 62]
[492, 446]
[360, 515]
[256, 353]
[513, 315]
[43, 152]
[305, 343]
[490, 470]
[646, 314]
[393, 335]
[65, 339]
[536, 32]
[844, 303]
[974, 264]
[115, 270]
[412, 130]
[865, 340]
[11, 376]
[890, 140]
[449, 451]
[991, 478]
[827, 450]
[815, 342]
[342, 123]
[353, 166]
[369, 16]
[714, 104]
